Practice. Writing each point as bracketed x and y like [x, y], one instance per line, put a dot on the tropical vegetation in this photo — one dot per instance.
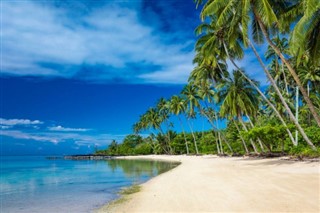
[280, 117]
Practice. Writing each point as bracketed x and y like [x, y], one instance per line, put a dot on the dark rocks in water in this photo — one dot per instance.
[87, 157]
[54, 157]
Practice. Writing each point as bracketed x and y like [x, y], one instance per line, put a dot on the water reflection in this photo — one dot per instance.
[35, 184]
[138, 168]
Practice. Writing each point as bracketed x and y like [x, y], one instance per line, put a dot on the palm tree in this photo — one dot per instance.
[282, 44]
[177, 106]
[238, 99]
[237, 12]
[231, 48]
[310, 75]
[163, 111]
[266, 20]
[189, 93]
[151, 119]
[242, 140]
[274, 97]
[305, 37]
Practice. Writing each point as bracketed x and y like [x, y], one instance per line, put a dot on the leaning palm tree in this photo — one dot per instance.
[218, 44]
[177, 106]
[310, 75]
[239, 98]
[264, 19]
[207, 95]
[235, 14]
[282, 44]
[305, 37]
[189, 93]
[163, 112]
[152, 120]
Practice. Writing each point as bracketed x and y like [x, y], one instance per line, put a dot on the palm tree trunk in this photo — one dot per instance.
[297, 111]
[243, 142]
[221, 148]
[168, 136]
[217, 142]
[285, 79]
[220, 135]
[226, 141]
[164, 148]
[309, 114]
[259, 140]
[290, 68]
[213, 128]
[305, 137]
[194, 138]
[263, 96]
[184, 135]
[245, 129]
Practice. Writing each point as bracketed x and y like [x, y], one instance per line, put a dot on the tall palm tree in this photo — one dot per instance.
[264, 19]
[310, 75]
[227, 48]
[177, 106]
[151, 120]
[163, 112]
[189, 93]
[238, 99]
[274, 97]
[282, 44]
[305, 37]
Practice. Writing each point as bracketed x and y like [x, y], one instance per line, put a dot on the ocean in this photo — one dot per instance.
[37, 184]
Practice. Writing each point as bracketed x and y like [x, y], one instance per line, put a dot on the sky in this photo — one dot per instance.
[77, 74]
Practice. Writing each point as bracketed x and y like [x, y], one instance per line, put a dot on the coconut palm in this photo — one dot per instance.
[228, 49]
[177, 106]
[310, 75]
[189, 93]
[163, 112]
[152, 120]
[305, 37]
[239, 98]
[282, 44]
[236, 14]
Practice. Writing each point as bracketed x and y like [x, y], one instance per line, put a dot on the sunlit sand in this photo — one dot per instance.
[213, 184]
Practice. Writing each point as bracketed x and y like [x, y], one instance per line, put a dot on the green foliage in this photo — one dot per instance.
[179, 145]
[313, 133]
[143, 149]
[132, 141]
[207, 144]
[273, 136]
[304, 151]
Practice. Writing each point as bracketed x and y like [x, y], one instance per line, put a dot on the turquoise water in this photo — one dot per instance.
[35, 184]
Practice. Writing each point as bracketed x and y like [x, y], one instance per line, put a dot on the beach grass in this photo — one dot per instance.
[125, 193]
[130, 190]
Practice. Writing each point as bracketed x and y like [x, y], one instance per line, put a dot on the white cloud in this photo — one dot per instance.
[27, 136]
[66, 129]
[14, 122]
[4, 127]
[36, 38]
[59, 137]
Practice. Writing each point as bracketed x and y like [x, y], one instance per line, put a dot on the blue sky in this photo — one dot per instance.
[77, 74]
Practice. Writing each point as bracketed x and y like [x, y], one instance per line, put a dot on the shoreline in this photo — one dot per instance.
[216, 184]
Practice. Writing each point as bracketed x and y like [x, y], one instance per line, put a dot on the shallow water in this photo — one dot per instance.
[35, 184]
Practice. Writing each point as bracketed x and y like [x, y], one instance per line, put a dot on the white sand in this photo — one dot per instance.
[212, 184]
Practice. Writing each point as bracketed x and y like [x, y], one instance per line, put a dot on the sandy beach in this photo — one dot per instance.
[214, 184]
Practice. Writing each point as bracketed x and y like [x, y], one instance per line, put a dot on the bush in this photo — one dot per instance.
[143, 149]
[304, 151]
